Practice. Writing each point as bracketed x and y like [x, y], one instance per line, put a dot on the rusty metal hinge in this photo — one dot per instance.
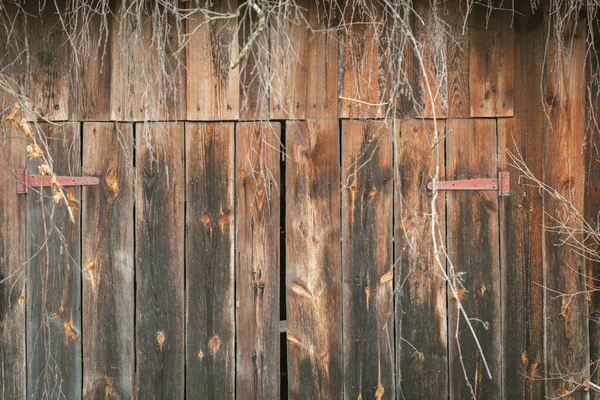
[24, 181]
[502, 184]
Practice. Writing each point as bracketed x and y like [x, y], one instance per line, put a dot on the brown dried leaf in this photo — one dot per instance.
[562, 391]
[459, 293]
[45, 169]
[524, 358]
[34, 151]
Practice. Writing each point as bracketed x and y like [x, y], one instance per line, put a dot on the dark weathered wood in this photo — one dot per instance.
[108, 262]
[12, 269]
[210, 313]
[313, 270]
[491, 57]
[159, 233]
[213, 87]
[257, 254]
[566, 317]
[362, 91]
[148, 81]
[54, 275]
[92, 73]
[368, 320]
[13, 57]
[521, 220]
[457, 59]
[473, 244]
[322, 61]
[421, 320]
[50, 61]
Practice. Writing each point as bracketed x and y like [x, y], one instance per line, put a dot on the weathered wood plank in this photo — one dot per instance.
[566, 317]
[54, 275]
[12, 270]
[421, 320]
[50, 62]
[521, 219]
[491, 57]
[368, 316]
[362, 90]
[148, 80]
[457, 59]
[213, 87]
[14, 66]
[210, 312]
[92, 74]
[159, 232]
[322, 61]
[108, 262]
[257, 255]
[313, 272]
[473, 244]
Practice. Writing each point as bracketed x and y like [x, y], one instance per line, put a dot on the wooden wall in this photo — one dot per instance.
[231, 216]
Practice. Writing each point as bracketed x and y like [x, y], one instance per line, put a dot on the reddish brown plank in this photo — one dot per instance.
[566, 318]
[473, 244]
[257, 255]
[368, 309]
[159, 252]
[420, 289]
[457, 59]
[491, 57]
[521, 219]
[108, 262]
[210, 312]
[12, 269]
[313, 271]
[213, 87]
[54, 367]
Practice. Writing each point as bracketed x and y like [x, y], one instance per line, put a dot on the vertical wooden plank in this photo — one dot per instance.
[473, 244]
[566, 317]
[421, 320]
[313, 271]
[93, 72]
[12, 270]
[521, 219]
[54, 275]
[210, 323]
[491, 57]
[457, 59]
[14, 78]
[289, 43]
[322, 61]
[50, 62]
[257, 254]
[108, 262]
[362, 90]
[148, 79]
[368, 316]
[159, 232]
[213, 87]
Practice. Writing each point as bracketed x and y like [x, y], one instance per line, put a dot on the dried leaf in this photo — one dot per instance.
[586, 385]
[524, 358]
[34, 151]
[459, 293]
[562, 391]
[58, 196]
[13, 114]
[45, 169]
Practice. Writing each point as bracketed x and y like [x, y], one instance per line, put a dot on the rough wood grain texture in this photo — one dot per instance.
[289, 45]
[13, 58]
[12, 270]
[213, 87]
[457, 59]
[54, 276]
[313, 272]
[368, 309]
[254, 71]
[361, 81]
[322, 61]
[148, 80]
[566, 318]
[491, 69]
[521, 219]
[210, 313]
[159, 232]
[92, 80]
[108, 262]
[257, 255]
[473, 244]
[50, 62]
[421, 320]
[406, 75]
